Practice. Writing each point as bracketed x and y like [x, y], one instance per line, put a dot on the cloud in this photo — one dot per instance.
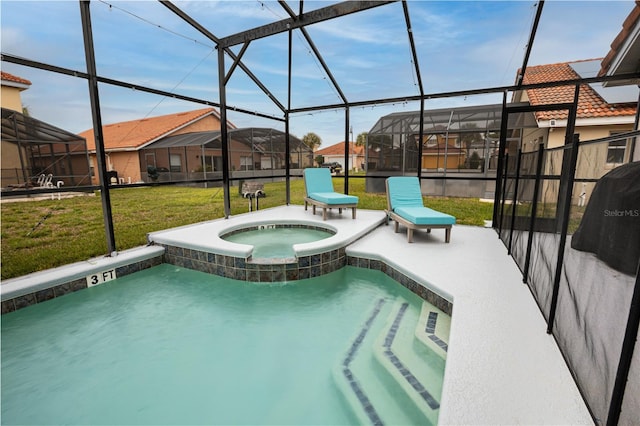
[562, 40]
[432, 27]
[363, 32]
[12, 38]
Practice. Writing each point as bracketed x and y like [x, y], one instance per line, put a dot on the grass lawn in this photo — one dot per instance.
[38, 235]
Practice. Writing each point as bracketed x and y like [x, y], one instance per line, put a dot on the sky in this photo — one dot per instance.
[460, 45]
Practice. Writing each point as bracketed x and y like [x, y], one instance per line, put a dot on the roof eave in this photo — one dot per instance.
[113, 150]
[15, 84]
[625, 57]
[586, 122]
[188, 123]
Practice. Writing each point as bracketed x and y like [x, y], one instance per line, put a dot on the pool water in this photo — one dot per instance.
[174, 346]
[276, 242]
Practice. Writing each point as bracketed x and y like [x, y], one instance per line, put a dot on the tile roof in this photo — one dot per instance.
[627, 28]
[338, 149]
[590, 104]
[135, 133]
[10, 77]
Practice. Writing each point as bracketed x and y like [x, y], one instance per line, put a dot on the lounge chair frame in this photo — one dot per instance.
[410, 225]
[325, 206]
[315, 203]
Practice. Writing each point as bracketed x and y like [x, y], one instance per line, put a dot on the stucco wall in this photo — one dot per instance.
[556, 135]
[11, 168]
[11, 98]
[207, 123]
[592, 160]
[434, 161]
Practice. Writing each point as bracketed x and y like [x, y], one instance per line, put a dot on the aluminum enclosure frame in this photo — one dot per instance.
[295, 22]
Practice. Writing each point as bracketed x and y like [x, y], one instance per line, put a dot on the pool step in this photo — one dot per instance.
[367, 395]
[387, 376]
[414, 368]
[432, 329]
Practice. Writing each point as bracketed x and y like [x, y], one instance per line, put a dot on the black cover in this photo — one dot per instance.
[610, 227]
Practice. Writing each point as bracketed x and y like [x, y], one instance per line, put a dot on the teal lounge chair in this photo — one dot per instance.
[405, 206]
[318, 191]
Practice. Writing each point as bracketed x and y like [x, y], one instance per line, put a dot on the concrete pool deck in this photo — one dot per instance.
[502, 367]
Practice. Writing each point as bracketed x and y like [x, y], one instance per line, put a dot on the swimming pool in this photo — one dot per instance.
[275, 241]
[169, 345]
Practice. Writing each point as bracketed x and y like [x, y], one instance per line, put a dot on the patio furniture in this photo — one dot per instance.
[45, 181]
[405, 206]
[318, 191]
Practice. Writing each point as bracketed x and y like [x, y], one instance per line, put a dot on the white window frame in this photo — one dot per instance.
[620, 145]
[175, 163]
[246, 162]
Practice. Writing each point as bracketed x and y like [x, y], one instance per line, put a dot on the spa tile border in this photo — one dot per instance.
[261, 270]
[71, 286]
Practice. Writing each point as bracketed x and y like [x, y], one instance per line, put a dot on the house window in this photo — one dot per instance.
[246, 163]
[616, 151]
[175, 163]
[150, 159]
[266, 163]
[213, 163]
[431, 140]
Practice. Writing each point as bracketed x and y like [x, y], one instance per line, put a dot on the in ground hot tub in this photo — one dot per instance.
[203, 246]
[276, 241]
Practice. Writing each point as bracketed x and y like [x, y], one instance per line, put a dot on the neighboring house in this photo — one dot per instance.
[124, 143]
[441, 152]
[35, 153]
[624, 58]
[186, 146]
[253, 152]
[460, 139]
[10, 99]
[335, 153]
[12, 86]
[602, 112]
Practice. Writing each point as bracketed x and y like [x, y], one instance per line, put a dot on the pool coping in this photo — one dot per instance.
[20, 292]
[206, 236]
